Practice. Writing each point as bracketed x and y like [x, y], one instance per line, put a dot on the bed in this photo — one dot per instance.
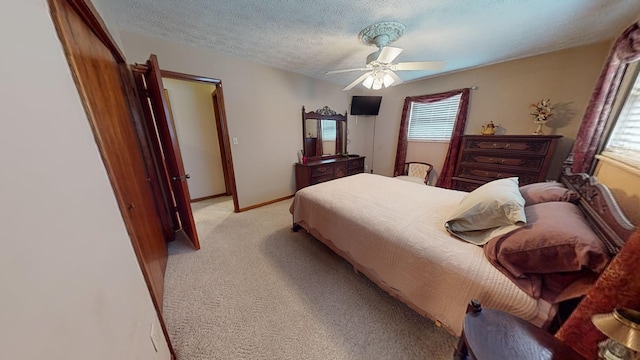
[393, 232]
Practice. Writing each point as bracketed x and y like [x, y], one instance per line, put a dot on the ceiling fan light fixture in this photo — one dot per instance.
[368, 82]
[381, 66]
[377, 83]
[387, 80]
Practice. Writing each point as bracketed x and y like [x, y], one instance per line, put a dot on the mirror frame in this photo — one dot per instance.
[324, 114]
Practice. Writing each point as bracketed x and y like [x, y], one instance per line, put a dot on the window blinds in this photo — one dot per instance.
[624, 141]
[328, 130]
[433, 121]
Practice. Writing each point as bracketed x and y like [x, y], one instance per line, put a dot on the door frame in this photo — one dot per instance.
[221, 126]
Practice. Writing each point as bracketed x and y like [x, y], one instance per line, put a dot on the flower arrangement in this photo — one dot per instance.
[541, 114]
[542, 111]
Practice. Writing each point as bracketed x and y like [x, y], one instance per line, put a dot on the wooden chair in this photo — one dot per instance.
[417, 172]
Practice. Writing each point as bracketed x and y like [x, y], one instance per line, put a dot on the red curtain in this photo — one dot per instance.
[444, 180]
[625, 49]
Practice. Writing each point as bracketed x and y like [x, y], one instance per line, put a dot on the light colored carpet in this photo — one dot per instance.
[257, 290]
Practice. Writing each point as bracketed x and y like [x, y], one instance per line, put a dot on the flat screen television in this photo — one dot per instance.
[365, 105]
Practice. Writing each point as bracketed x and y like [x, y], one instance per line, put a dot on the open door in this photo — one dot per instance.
[103, 82]
[170, 149]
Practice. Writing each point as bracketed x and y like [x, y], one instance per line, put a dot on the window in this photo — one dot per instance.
[433, 121]
[624, 141]
[328, 130]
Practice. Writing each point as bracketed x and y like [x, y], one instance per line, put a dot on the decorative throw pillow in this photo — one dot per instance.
[557, 244]
[494, 208]
[546, 191]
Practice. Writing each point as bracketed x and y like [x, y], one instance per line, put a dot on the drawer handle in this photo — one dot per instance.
[507, 145]
[499, 175]
[502, 162]
[495, 145]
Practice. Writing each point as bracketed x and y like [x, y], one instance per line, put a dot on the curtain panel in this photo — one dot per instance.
[444, 180]
[625, 49]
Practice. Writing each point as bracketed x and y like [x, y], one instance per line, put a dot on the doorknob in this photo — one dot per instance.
[181, 178]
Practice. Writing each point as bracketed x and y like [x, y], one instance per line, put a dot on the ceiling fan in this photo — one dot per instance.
[380, 66]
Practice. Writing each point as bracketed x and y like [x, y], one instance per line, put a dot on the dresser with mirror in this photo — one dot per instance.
[324, 145]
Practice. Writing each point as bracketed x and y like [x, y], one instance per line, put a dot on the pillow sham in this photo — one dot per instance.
[494, 208]
[556, 248]
[546, 191]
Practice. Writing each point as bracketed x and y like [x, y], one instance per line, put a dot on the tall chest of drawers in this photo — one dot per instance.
[317, 171]
[484, 158]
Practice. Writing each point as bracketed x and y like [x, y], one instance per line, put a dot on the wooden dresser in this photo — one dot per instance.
[483, 158]
[317, 171]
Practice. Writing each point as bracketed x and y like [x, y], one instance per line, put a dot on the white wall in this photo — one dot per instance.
[263, 106]
[192, 109]
[71, 284]
[505, 91]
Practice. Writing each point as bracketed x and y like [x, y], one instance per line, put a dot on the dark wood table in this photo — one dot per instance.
[490, 334]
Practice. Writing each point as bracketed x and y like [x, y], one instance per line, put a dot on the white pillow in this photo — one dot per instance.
[493, 209]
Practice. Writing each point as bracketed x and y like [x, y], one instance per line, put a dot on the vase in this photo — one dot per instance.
[538, 130]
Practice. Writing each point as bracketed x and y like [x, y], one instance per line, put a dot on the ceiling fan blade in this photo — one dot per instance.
[345, 70]
[420, 65]
[396, 78]
[388, 54]
[356, 81]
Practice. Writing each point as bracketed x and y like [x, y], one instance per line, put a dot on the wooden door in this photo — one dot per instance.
[98, 75]
[171, 149]
[162, 188]
[103, 80]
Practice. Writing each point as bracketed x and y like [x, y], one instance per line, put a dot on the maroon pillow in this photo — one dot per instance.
[556, 244]
[546, 191]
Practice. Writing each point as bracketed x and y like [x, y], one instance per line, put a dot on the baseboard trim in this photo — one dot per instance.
[265, 203]
[209, 197]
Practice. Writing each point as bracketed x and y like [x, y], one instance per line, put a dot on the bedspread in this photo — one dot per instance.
[394, 231]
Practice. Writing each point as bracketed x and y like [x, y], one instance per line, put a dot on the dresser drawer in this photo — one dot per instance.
[465, 184]
[493, 174]
[521, 162]
[340, 170]
[529, 146]
[357, 163]
[326, 169]
[321, 179]
[322, 170]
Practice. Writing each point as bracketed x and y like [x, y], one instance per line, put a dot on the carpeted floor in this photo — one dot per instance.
[257, 290]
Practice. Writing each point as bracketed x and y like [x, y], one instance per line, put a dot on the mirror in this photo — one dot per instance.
[324, 133]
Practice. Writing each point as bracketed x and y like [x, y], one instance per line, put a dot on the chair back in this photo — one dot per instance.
[418, 169]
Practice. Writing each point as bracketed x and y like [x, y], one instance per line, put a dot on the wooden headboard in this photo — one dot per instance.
[601, 210]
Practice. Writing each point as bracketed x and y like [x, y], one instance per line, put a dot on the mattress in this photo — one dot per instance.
[393, 231]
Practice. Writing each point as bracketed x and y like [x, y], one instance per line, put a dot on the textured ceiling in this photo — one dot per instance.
[312, 37]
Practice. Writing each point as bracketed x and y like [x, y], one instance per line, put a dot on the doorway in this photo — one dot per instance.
[192, 112]
[221, 132]
[220, 116]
